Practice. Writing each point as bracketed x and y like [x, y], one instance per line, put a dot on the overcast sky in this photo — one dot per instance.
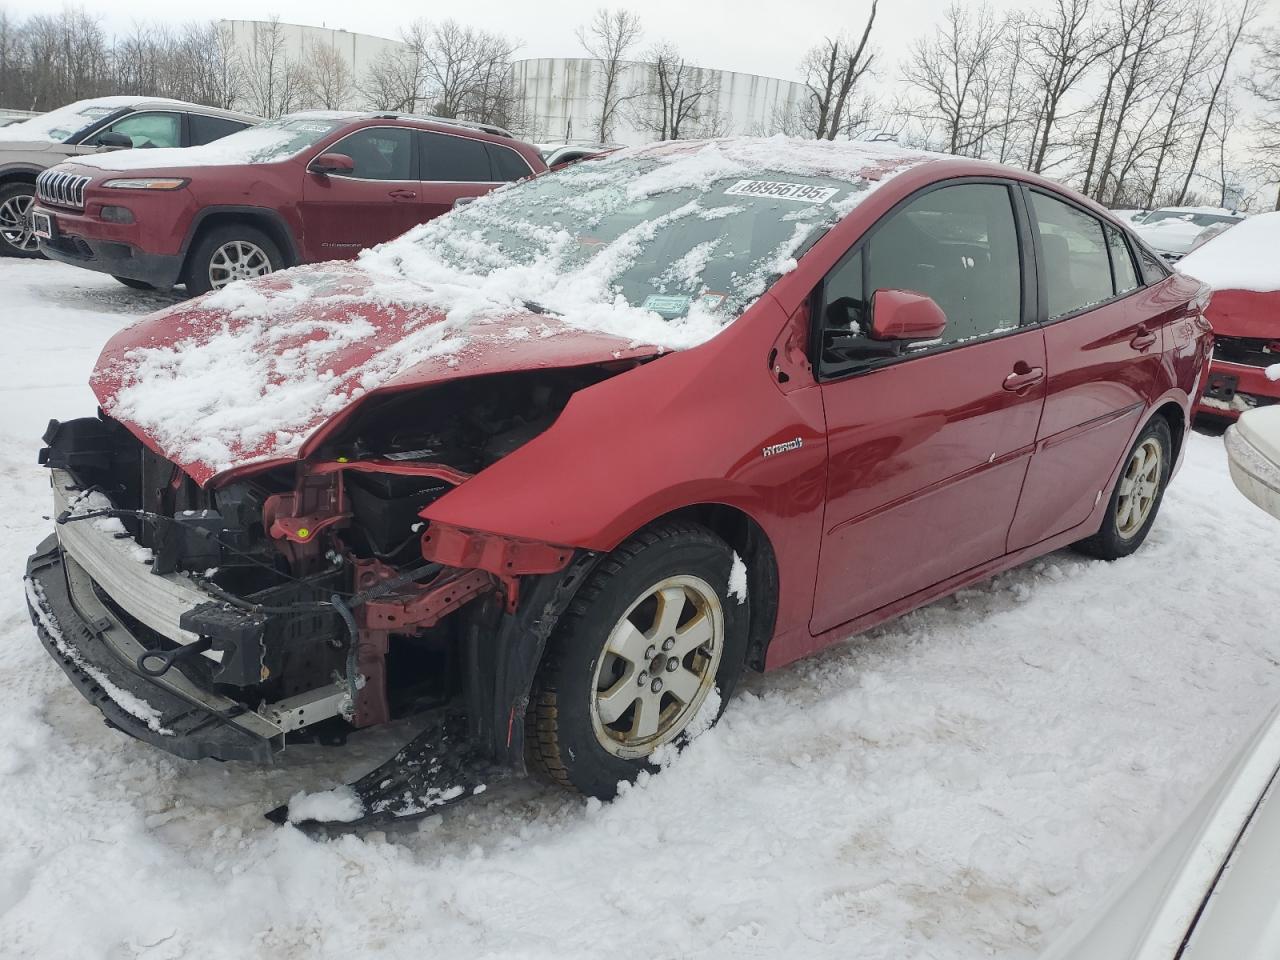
[745, 35]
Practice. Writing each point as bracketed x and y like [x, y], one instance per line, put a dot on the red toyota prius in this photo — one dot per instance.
[549, 472]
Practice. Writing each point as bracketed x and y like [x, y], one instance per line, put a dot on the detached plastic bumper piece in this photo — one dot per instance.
[439, 767]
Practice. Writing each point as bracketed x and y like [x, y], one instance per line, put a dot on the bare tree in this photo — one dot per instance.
[272, 78]
[678, 99]
[609, 37]
[325, 78]
[1062, 47]
[831, 71]
[1264, 84]
[1193, 65]
[956, 71]
[1137, 71]
[1235, 28]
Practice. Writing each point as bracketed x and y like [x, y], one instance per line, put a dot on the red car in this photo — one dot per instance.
[1241, 266]
[567, 460]
[305, 188]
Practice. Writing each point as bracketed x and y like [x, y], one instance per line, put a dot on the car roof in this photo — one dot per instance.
[426, 121]
[161, 103]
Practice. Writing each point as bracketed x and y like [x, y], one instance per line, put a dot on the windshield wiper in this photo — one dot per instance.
[534, 307]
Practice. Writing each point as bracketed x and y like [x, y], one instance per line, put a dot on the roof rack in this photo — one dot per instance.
[469, 124]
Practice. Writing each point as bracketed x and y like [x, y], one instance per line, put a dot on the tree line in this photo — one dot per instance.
[1134, 102]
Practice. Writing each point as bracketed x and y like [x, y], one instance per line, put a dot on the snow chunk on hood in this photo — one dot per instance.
[1246, 257]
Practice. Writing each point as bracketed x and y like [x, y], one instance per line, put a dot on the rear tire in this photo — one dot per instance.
[16, 238]
[234, 251]
[133, 284]
[1137, 495]
[600, 705]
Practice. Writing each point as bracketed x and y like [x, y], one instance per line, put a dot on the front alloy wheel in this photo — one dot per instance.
[15, 221]
[634, 659]
[237, 260]
[658, 665]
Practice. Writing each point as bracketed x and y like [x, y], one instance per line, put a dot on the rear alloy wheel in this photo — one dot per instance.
[230, 253]
[16, 238]
[635, 658]
[1135, 501]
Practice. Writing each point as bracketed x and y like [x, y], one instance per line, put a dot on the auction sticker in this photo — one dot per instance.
[803, 192]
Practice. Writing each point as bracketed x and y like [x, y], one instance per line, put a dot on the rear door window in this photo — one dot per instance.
[449, 159]
[380, 153]
[205, 129]
[1076, 268]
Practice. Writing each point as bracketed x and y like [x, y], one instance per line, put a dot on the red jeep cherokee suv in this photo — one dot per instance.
[305, 188]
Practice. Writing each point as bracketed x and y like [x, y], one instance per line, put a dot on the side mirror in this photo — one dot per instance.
[905, 315]
[116, 141]
[328, 163]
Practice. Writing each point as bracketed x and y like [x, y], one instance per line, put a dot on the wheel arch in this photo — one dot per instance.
[748, 539]
[267, 220]
[1176, 416]
[19, 175]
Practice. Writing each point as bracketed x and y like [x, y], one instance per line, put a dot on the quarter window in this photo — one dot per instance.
[447, 159]
[958, 245]
[151, 129]
[380, 153]
[507, 164]
[1075, 268]
[1126, 276]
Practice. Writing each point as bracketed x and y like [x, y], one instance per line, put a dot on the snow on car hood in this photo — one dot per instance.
[250, 373]
[1242, 258]
[247, 375]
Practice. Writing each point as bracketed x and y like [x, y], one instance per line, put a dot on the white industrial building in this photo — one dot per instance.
[559, 96]
[360, 50]
[561, 100]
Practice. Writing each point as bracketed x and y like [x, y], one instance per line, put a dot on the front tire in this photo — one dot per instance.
[1137, 495]
[235, 251]
[16, 238]
[634, 659]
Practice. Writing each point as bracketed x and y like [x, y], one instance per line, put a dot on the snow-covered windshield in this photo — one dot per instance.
[693, 233]
[61, 125]
[264, 143]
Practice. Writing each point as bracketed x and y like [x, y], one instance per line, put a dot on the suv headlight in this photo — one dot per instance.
[148, 183]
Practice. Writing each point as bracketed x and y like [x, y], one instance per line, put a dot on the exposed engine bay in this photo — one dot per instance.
[326, 602]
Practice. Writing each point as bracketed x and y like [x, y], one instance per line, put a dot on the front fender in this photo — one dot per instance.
[687, 428]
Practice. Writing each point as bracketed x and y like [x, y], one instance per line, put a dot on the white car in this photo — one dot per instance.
[1175, 231]
[1211, 889]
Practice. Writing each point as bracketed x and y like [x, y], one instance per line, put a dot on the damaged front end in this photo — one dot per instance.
[304, 600]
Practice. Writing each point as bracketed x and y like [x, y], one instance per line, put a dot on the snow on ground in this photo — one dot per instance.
[960, 783]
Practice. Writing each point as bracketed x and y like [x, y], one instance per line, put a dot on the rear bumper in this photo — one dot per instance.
[74, 243]
[1231, 389]
[97, 651]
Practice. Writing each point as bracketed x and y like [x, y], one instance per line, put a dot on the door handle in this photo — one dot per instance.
[1142, 339]
[1022, 377]
[401, 194]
